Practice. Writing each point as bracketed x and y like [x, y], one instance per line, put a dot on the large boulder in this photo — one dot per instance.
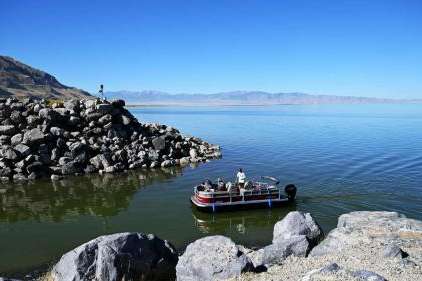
[212, 258]
[364, 227]
[121, 256]
[296, 234]
[298, 224]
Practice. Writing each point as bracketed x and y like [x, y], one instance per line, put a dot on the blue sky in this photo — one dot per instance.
[363, 48]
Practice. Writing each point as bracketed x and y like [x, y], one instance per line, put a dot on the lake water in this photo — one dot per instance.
[341, 157]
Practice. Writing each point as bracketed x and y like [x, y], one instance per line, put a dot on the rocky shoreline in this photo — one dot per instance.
[40, 139]
[372, 246]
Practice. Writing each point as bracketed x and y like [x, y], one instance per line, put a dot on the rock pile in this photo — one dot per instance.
[86, 136]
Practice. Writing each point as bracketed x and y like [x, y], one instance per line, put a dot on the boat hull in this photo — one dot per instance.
[238, 205]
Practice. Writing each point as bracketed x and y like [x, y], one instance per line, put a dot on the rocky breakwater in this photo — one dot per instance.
[87, 136]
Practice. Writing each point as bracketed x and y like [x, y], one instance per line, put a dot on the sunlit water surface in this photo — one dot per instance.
[342, 158]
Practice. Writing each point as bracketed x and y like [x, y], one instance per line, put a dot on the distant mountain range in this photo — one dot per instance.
[20, 80]
[240, 98]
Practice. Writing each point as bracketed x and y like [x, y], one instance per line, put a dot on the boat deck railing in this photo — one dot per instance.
[243, 193]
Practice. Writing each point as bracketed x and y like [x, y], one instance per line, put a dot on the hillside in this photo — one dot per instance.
[240, 98]
[21, 80]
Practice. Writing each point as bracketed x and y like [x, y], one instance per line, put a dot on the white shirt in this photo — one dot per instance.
[241, 177]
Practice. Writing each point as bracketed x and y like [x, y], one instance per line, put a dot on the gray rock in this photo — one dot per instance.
[16, 139]
[8, 153]
[19, 177]
[7, 130]
[16, 117]
[184, 161]
[394, 251]
[33, 120]
[90, 169]
[212, 258]
[100, 161]
[122, 256]
[153, 155]
[73, 120]
[21, 164]
[23, 150]
[126, 120]
[5, 172]
[33, 136]
[70, 168]
[159, 143]
[298, 223]
[56, 131]
[77, 147]
[105, 119]
[48, 114]
[104, 108]
[110, 169]
[356, 228]
[166, 163]
[90, 103]
[313, 274]
[62, 111]
[34, 176]
[64, 160]
[4, 140]
[72, 105]
[193, 153]
[278, 252]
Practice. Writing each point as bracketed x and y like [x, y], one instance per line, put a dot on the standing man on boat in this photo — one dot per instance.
[241, 178]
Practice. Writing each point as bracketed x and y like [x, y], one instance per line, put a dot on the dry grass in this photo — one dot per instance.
[55, 103]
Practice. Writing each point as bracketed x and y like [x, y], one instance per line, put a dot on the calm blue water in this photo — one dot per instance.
[342, 158]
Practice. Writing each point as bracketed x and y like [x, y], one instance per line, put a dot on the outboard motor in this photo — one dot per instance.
[290, 190]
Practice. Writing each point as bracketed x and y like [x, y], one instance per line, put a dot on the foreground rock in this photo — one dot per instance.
[296, 234]
[122, 256]
[369, 227]
[212, 258]
[86, 136]
[373, 246]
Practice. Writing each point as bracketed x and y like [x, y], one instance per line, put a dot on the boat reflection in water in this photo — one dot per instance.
[239, 222]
